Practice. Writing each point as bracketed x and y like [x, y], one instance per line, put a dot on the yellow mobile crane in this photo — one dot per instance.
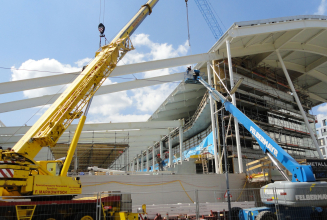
[20, 173]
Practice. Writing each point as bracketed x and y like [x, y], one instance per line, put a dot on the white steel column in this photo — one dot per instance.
[170, 163]
[137, 162]
[299, 105]
[161, 150]
[181, 140]
[153, 157]
[213, 123]
[147, 160]
[142, 161]
[237, 131]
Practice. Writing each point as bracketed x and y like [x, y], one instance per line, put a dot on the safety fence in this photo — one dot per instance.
[267, 203]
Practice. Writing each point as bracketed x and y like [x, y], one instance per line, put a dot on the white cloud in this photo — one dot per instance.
[137, 105]
[83, 62]
[156, 50]
[321, 8]
[44, 67]
[322, 108]
[322, 113]
[148, 99]
[109, 104]
[41, 68]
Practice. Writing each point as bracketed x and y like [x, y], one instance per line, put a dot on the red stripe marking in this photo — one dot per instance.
[57, 202]
[4, 175]
[10, 173]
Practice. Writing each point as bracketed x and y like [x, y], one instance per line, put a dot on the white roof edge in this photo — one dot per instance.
[280, 19]
[258, 22]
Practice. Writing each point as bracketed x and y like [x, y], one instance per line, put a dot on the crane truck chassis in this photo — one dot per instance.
[44, 182]
[113, 206]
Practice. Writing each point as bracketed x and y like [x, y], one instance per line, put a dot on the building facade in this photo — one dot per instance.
[322, 137]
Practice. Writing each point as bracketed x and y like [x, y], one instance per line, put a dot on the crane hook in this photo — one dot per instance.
[101, 29]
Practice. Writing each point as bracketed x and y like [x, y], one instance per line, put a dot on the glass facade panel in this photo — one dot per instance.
[321, 142]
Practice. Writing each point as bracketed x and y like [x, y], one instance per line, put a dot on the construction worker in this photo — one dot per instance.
[188, 73]
[159, 161]
[196, 74]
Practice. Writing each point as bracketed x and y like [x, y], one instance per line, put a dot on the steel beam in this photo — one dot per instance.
[181, 140]
[213, 121]
[49, 99]
[170, 162]
[237, 131]
[299, 105]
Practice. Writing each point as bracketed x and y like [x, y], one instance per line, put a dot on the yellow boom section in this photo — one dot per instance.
[48, 129]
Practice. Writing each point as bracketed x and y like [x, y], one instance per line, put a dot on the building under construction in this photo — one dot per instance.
[240, 113]
[186, 117]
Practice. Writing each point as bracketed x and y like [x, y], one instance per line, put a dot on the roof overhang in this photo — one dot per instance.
[300, 40]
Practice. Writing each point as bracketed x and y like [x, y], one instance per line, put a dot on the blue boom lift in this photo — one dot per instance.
[302, 195]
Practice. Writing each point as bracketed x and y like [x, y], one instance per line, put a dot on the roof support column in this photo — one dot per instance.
[137, 162]
[299, 105]
[134, 161]
[181, 138]
[161, 150]
[213, 121]
[142, 160]
[147, 160]
[153, 157]
[237, 130]
[170, 150]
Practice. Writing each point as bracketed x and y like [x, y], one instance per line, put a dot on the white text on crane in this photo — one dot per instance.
[264, 141]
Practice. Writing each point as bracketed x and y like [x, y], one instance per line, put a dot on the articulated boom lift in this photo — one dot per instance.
[301, 191]
[23, 175]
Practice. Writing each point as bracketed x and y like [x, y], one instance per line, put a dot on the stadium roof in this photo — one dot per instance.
[300, 40]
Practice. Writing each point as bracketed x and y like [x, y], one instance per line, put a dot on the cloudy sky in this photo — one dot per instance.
[61, 36]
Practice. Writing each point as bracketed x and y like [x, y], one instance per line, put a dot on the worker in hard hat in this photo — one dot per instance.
[189, 73]
[159, 161]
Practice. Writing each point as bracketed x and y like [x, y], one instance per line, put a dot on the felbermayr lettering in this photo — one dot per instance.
[311, 197]
[264, 141]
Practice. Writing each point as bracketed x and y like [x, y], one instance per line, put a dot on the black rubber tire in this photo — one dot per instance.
[266, 215]
[235, 213]
[86, 216]
[319, 216]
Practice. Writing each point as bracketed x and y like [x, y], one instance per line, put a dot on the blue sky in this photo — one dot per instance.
[55, 35]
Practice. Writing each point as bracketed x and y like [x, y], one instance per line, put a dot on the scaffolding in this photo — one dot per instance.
[266, 99]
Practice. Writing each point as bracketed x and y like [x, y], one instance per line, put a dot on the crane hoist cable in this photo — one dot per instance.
[188, 25]
[101, 26]
[188, 29]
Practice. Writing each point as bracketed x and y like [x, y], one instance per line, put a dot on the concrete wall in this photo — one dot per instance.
[164, 189]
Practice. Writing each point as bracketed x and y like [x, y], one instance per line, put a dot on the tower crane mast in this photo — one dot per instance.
[210, 18]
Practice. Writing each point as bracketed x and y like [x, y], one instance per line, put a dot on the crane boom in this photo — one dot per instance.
[303, 180]
[300, 173]
[47, 130]
[51, 125]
